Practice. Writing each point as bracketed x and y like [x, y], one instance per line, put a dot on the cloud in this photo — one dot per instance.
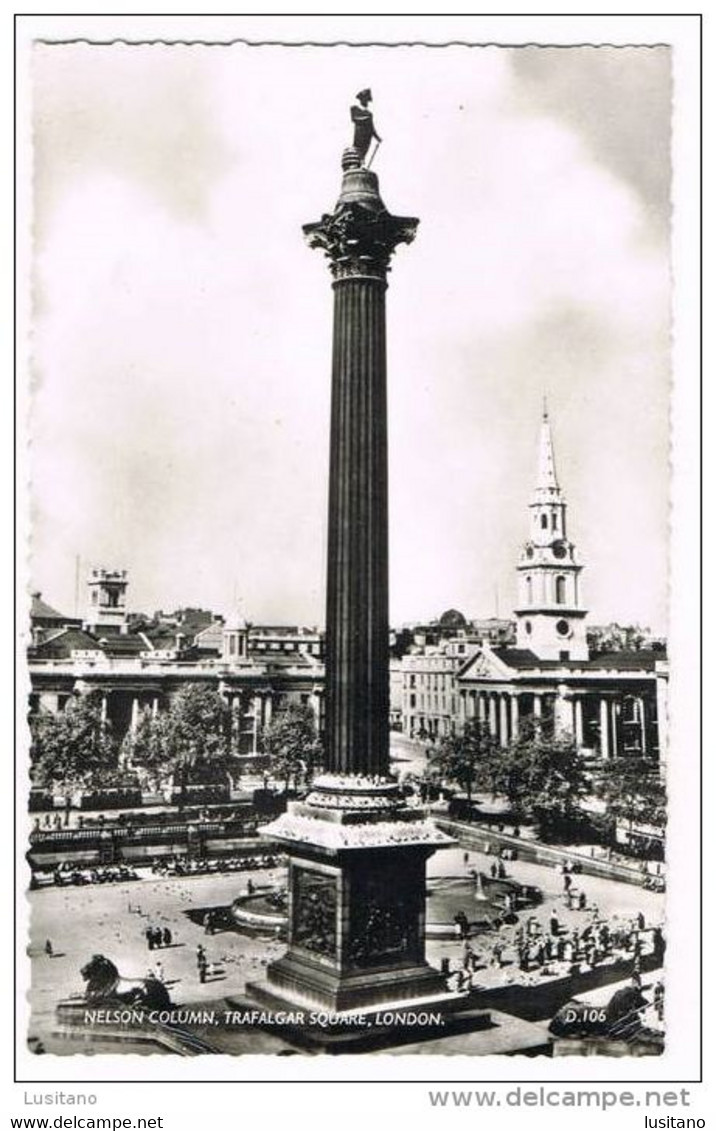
[615, 100]
[183, 342]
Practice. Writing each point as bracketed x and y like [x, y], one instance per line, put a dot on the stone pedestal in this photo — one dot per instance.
[356, 911]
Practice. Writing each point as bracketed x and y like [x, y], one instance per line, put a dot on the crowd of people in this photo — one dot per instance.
[556, 949]
[66, 875]
[184, 866]
[158, 937]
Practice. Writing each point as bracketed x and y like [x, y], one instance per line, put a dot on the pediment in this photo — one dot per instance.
[485, 665]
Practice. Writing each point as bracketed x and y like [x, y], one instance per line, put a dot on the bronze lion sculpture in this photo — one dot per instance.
[105, 984]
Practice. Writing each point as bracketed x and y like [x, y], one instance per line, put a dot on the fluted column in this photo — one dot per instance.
[514, 716]
[357, 597]
[604, 737]
[358, 238]
[642, 724]
[257, 711]
[134, 722]
[504, 738]
[492, 715]
[578, 721]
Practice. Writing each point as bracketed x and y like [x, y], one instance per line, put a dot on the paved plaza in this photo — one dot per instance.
[112, 920]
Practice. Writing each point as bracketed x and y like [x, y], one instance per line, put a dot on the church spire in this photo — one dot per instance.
[547, 489]
[550, 615]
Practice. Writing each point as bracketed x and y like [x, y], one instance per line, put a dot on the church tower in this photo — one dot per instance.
[550, 619]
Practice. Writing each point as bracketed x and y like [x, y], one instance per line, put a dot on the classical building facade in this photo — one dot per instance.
[257, 670]
[611, 703]
[424, 700]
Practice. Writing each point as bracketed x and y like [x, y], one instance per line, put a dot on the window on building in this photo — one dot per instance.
[529, 590]
[543, 521]
[564, 655]
[232, 645]
[554, 520]
[561, 590]
[412, 701]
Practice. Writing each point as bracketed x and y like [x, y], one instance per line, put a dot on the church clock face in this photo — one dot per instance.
[529, 552]
[559, 549]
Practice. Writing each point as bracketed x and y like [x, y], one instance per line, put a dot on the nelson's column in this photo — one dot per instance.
[357, 851]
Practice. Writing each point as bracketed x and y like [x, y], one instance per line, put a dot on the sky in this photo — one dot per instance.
[182, 328]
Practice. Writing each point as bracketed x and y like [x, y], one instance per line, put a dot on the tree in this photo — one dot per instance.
[542, 776]
[149, 747]
[292, 745]
[465, 758]
[73, 748]
[618, 638]
[195, 732]
[634, 791]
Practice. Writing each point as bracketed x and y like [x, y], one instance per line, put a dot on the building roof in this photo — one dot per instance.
[624, 660]
[120, 645]
[61, 645]
[41, 611]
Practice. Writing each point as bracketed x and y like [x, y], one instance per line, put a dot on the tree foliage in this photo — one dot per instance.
[619, 638]
[191, 738]
[291, 744]
[634, 791]
[542, 775]
[74, 747]
[198, 727]
[465, 758]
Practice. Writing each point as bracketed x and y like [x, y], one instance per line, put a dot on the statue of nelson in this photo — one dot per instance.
[363, 129]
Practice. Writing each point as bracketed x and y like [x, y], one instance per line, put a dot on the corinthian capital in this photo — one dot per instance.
[359, 241]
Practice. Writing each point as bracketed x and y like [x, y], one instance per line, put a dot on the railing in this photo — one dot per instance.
[50, 838]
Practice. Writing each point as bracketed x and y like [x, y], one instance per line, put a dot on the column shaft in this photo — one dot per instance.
[514, 716]
[357, 677]
[604, 737]
[504, 738]
[492, 715]
[578, 722]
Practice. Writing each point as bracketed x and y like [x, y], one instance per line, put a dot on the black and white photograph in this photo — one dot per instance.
[346, 725]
